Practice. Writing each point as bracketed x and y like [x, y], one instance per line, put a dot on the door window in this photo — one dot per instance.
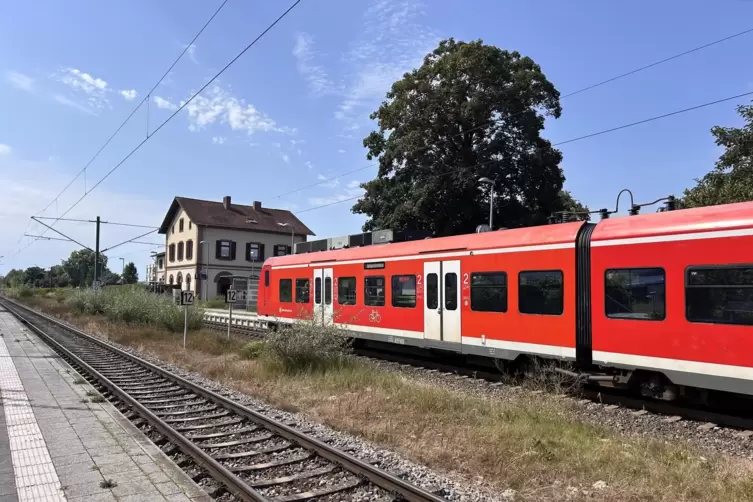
[318, 291]
[328, 290]
[451, 291]
[432, 291]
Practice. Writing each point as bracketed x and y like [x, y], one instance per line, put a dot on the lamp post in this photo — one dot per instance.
[206, 279]
[292, 235]
[122, 271]
[491, 200]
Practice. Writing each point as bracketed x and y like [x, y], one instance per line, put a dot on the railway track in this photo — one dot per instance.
[604, 395]
[251, 457]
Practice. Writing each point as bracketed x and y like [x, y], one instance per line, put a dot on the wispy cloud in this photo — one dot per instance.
[285, 158]
[314, 74]
[341, 151]
[20, 81]
[394, 41]
[308, 164]
[93, 89]
[5, 149]
[219, 105]
[129, 94]
[69, 102]
[328, 184]
[352, 190]
[297, 141]
[219, 140]
[164, 104]
[191, 53]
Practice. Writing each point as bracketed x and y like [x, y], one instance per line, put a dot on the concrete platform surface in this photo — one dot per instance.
[57, 445]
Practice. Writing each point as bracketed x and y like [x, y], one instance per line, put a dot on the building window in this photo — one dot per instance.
[180, 280]
[171, 278]
[225, 250]
[188, 281]
[189, 250]
[180, 251]
[719, 295]
[160, 264]
[171, 252]
[489, 291]
[180, 225]
[282, 250]
[636, 293]
[404, 291]
[346, 290]
[254, 251]
[302, 290]
[374, 291]
[189, 224]
[286, 290]
[541, 292]
[173, 231]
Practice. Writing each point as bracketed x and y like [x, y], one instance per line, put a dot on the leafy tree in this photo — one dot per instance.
[470, 111]
[58, 276]
[575, 210]
[35, 276]
[130, 274]
[80, 267]
[15, 277]
[731, 180]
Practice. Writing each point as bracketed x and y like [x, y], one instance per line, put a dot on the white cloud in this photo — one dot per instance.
[5, 149]
[164, 103]
[20, 81]
[315, 76]
[354, 185]
[78, 106]
[219, 140]
[352, 191]
[276, 144]
[93, 88]
[309, 164]
[191, 52]
[295, 142]
[218, 104]
[341, 151]
[394, 41]
[285, 157]
[328, 184]
[129, 94]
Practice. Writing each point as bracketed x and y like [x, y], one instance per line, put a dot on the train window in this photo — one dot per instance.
[346, 290]
[302, 290]
[451, 291]
[432, 291]
[719, 295]
[404, 291]
[489, 291]
[328, 290]
[541, 292]
[318, 291]
[374, 291]
[635, 293]
[286, 290]
[266, 277]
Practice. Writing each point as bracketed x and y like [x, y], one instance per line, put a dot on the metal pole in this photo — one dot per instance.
[292, 241]
[96, 255]
[122, 271]
[206, 279]
[185, 325]
[491, 210]
[230, 320]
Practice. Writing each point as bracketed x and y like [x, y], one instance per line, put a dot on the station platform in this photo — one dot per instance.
[57, 445]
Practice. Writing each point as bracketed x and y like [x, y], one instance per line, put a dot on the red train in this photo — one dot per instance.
[663, 301]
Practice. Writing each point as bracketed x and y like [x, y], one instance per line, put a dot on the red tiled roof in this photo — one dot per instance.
[213, 214]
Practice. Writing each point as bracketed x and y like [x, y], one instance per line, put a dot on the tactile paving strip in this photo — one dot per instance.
[36, 479]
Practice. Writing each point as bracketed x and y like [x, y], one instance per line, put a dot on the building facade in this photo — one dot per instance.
[209, 245]
[155, 271]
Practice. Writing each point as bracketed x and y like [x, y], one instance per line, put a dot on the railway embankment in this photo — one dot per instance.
[472, 440]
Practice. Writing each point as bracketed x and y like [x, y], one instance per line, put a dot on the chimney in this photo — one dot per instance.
[257, 205]
[226, 202]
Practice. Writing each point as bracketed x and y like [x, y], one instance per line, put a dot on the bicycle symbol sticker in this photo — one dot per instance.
[375, 317]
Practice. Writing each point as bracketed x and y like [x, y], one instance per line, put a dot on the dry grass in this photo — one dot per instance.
[529, 444]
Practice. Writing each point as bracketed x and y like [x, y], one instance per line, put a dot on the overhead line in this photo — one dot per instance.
[580, 138]
[276, 21]
[584, 89]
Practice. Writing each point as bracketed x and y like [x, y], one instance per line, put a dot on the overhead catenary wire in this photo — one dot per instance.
[570, 94]
[580, 138]
[181, 107]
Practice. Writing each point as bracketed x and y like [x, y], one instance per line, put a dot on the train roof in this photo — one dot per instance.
[509, 238]
[685, 221]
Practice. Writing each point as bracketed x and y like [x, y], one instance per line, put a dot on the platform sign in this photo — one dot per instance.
[186, 297]
[231, 296]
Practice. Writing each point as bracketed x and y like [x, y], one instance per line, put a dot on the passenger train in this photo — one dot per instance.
[661, 302]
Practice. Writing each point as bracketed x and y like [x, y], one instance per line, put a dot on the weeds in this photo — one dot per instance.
[252, 350]
[305, 347]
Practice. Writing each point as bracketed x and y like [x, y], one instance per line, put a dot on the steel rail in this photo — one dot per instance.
[378, 477]
[233, 483]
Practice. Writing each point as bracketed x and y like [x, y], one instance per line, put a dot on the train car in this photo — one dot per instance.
[659, 301]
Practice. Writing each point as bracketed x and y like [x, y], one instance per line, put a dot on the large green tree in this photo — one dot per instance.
[130, 275]
[470, 111]
[731, 180]
[80, 267]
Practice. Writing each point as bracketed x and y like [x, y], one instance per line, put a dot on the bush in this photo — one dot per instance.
[217, 302]
[307, 346]
[21, 291]
[252, 350]
[135, 306]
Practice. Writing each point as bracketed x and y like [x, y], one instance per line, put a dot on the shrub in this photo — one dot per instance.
[21, 291]
[217, 302]
[252, 350]
[307, 346]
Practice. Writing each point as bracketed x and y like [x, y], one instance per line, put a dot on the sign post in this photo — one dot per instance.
[230, 297]
[186, 299]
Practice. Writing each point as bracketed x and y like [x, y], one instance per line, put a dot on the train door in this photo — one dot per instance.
[442, 301]
[323, 287]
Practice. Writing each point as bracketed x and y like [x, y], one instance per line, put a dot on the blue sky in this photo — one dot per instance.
[295, 107]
